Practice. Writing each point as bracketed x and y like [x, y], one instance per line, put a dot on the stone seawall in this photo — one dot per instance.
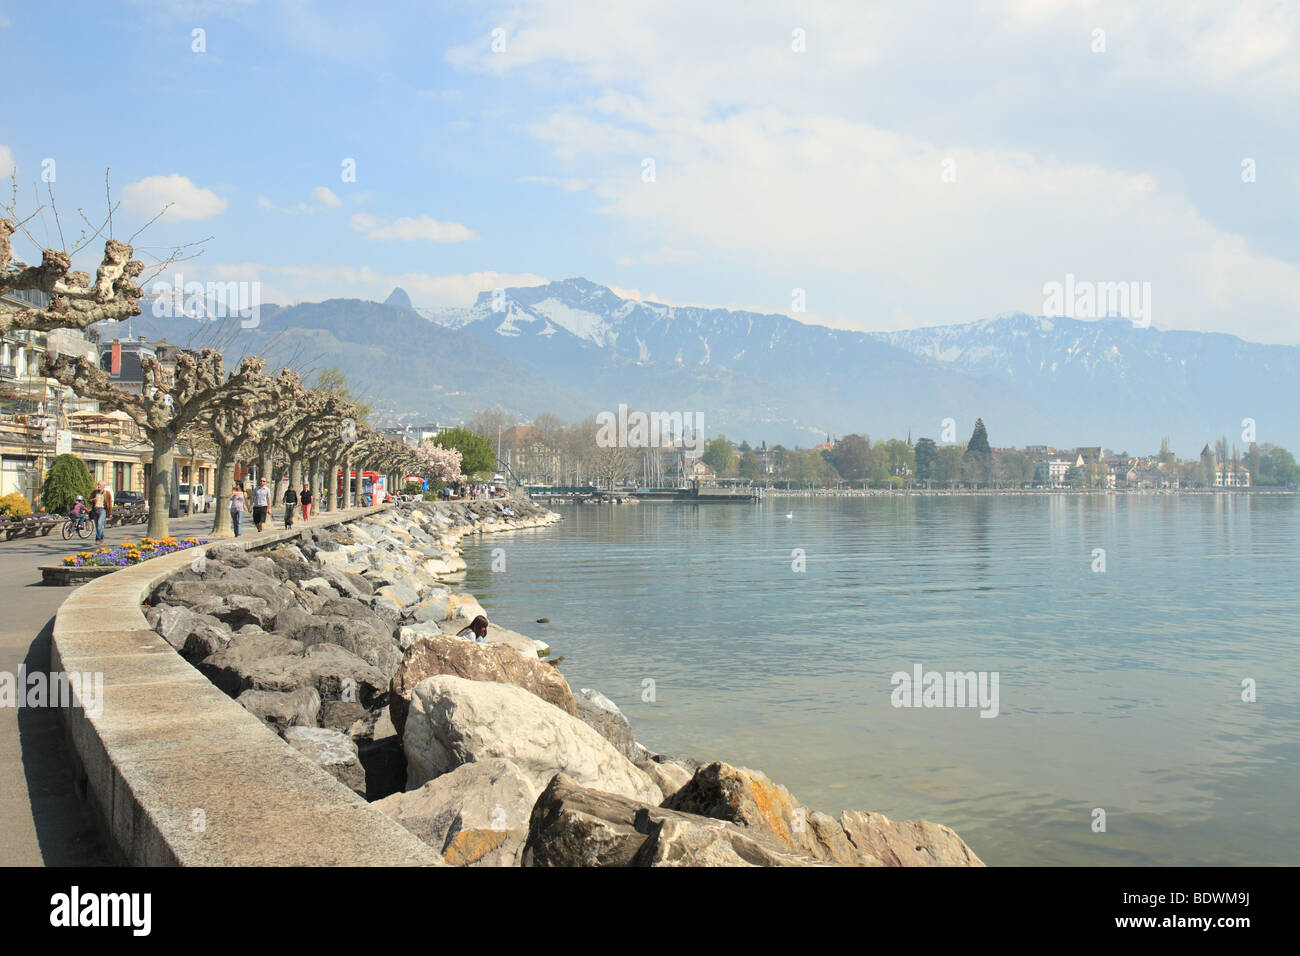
[303, 697]
[179, 773]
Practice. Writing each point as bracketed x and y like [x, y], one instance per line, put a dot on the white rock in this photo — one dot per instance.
[453, 721]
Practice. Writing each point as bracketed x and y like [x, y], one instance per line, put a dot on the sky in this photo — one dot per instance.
[860, 165]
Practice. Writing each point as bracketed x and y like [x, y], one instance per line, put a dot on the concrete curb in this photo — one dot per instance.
[179, 773]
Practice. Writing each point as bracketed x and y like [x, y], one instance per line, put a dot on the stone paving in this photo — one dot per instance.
[42, 819]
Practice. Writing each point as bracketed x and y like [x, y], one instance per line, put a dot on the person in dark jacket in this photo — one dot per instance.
[304, 499]
[290, 502]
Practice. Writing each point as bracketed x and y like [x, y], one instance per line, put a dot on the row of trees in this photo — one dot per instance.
[250, 414]
[550, 451]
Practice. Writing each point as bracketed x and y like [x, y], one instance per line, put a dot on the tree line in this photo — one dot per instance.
[270, 420]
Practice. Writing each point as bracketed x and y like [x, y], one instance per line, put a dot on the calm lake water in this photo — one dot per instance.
[1120, 690]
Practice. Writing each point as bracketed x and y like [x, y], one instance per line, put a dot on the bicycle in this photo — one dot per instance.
[78, 525]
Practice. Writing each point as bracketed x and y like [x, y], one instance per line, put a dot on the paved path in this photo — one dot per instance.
[42, 819]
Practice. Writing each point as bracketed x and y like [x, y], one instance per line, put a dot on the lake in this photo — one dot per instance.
[1118, 689]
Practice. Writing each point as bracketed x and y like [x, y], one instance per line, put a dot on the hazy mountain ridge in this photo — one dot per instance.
[574, 347]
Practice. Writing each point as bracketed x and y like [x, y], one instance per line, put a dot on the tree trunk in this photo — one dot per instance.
[347, 481]
[221, 524]
[160, 490]
[332, 492]
[191, 506]
[295, 472]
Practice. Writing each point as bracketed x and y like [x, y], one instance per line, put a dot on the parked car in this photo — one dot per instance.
[202, 500]
[128, 498]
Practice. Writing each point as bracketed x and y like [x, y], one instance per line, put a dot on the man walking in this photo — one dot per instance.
[261, 503]
[290, 502]
[101, 508]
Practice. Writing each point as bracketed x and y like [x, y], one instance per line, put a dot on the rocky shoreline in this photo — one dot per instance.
[343, 642]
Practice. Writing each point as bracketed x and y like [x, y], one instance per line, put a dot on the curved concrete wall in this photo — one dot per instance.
[180, 773]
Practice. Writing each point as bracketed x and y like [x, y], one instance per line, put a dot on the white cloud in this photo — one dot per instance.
[570, 185]
[7, 166]
[189, 202]
[665, 255]
[322, 198]
[312, 283]
[801, 170]
[325, 196]
[407, 229]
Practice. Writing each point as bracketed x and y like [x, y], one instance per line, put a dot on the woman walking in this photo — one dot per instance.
[304, 499]
[238, 500]
[290, 502]
[261, 503]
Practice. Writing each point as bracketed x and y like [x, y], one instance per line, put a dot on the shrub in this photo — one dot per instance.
[68, 477]
[14, 505]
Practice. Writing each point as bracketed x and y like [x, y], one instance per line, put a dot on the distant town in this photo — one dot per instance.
[39, 419]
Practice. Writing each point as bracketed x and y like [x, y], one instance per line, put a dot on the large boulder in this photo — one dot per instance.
[749, 799]
[337, 674]
[237, 596]
[226, 668]
[603, 716]
[281, 710]
[906, 842]
[333, 752]
[454, 721]
[195, 636]
[476, 815]
[669, 775]
[577, 826]
[358, 631]
[340, 714]
[443, 654]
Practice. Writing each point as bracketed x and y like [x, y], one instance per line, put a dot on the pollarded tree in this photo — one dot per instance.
[238, 423]
[166, 405]
[71, 300]
[325, 443]
[74, 300]
[296, 428]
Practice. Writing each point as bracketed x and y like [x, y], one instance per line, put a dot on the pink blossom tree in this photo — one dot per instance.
[439, 464]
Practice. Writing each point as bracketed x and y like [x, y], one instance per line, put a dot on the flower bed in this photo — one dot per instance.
[128, 553]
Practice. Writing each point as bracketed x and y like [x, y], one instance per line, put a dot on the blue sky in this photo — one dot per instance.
[912, 164]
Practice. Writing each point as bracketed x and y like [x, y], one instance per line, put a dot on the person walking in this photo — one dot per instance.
[101, 508]
[290, 502]
[305, 499]
[261, 503]
[238, 500]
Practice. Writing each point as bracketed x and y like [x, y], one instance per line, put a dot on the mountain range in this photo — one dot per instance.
[575, 348]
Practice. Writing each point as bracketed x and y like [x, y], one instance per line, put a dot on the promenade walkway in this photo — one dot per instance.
[42, 819]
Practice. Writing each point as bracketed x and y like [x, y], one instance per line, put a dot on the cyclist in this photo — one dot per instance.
[79, 513]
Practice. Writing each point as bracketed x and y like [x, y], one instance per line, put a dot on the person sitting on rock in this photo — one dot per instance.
[477, 629]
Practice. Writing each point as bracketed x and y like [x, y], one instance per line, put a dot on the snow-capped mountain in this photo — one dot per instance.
[575, 348]
[1188, 383]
